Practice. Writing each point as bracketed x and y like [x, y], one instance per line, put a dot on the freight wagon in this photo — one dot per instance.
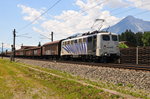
[51, 50]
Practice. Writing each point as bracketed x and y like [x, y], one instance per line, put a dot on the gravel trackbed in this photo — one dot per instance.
[139, 79]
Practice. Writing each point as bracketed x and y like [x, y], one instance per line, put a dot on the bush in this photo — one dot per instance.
[122, 45]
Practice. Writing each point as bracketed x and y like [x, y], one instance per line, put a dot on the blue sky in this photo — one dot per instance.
[66, 18]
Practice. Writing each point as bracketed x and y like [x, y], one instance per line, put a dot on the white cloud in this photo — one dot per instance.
[118, 3]
[71, 21]
[31, 13]
[91, 4]
[142, 4]
[40, 31]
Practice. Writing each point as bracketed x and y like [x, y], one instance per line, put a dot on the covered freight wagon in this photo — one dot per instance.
[37, 52]
[19, 53]
[28, 52]
[52, 49]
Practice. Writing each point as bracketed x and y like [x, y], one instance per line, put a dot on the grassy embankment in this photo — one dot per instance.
[23, 83]
[20, 82]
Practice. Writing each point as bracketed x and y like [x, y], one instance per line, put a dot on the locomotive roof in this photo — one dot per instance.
[50, 43]
[85, 36]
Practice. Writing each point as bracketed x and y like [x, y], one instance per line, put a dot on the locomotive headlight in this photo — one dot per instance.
[105, 54]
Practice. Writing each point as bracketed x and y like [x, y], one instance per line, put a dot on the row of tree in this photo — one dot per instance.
[138, 39]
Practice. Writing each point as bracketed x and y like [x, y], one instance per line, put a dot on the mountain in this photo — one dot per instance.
[132, 23]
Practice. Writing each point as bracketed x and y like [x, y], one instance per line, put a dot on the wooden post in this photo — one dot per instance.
[14, 38]
[137, 55]
[119, 61]
[11, 54]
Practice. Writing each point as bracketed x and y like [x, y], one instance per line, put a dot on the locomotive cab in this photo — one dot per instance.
[108, 45]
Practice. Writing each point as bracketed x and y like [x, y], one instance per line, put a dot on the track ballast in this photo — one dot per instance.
[110, 65]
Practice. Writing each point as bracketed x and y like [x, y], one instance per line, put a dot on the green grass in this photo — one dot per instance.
[15, 83]
[126, 89]
[18, 82]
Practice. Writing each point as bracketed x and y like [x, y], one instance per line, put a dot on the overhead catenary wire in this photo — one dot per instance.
[140, 13]
[24, 36]
[94, 7]
[44, 36]
[53, 7]
[68, 18]
[111, 11]
[133, 8]
[130, 9]
[98, 4]
[41, 15]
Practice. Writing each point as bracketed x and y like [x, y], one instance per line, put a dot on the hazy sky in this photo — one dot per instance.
[64, 19]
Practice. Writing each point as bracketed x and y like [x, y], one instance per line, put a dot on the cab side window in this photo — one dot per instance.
[106, 37]
[114, 38]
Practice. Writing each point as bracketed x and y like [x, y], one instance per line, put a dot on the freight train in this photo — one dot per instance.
[95, 46]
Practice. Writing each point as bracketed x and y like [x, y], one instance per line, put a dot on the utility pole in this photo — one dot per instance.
[6, 52]
[13, 47]
[2, 50]
[52, 36]
[11, 55]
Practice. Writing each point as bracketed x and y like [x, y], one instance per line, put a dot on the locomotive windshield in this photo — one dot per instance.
[106, 37]
[114, 38]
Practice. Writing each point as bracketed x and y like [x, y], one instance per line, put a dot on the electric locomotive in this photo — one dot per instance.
[94, 46]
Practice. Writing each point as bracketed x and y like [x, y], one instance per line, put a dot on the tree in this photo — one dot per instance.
[139, 41]
[146, 38]
[128, 36]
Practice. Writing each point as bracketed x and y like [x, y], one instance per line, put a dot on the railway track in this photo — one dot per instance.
[110, 65]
